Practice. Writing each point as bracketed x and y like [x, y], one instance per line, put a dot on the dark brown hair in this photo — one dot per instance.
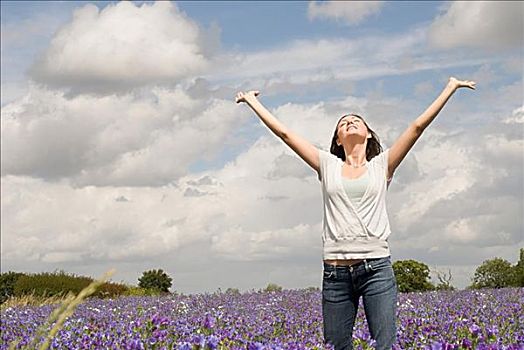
[373, 146]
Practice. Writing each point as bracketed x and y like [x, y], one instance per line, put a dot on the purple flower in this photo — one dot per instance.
[466, 343]
[255, 346]
[474, 329]
[212, 342]
[435, 346]
[198, 339]
[134, 344]
[492, 331]
[184, 346]
[209, 321]
[290, 320]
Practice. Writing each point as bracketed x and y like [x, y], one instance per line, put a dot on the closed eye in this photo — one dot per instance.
[346, 122]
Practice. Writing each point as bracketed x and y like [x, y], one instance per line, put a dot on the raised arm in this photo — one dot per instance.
[303, 148]
[405, 142]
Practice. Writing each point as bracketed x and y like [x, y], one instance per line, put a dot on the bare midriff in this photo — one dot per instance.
[343, 262]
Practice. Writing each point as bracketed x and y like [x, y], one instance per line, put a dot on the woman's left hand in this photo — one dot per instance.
[456, 84]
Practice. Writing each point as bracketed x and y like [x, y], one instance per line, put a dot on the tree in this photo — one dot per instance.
[272, 287]
[412, 276]
[233, 291]
[155, 279]
[494, 273]
[444, 281]
[518, 271]
[7, 284]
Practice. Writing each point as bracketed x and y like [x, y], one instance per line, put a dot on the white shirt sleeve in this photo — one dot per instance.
[324, 158]
[382, 162]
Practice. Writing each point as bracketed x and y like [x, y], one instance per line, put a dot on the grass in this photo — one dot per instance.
[32, 300]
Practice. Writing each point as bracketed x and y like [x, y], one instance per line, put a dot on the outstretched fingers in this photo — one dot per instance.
[462, 83]
[470, 84]
[242, 96]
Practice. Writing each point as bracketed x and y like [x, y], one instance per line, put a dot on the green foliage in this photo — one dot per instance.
[233, 291]
[518, 271]
[441, 286]
[59, 283]
[7, 284]
[272, 287]
[155, 279]
[412, 276]
[111, 290]
[141, 292]
[494, 273]
[50, 284]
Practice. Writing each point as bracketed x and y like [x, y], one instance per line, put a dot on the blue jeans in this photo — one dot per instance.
[342, 286]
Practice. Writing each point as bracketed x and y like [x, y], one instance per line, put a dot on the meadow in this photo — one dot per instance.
[256, 320]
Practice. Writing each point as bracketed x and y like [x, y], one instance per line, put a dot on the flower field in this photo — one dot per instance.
[290, 319]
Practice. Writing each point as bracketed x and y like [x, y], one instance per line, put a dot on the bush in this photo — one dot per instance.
[50, 284]
[60, 283]
[111, 290]
[155, 279]
[7, 284]
[272, 287]
[233, 291]
[141, 292]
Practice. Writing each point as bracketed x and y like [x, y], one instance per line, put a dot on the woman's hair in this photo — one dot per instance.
[373, 146]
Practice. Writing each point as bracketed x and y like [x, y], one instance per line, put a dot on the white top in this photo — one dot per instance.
[354, 231]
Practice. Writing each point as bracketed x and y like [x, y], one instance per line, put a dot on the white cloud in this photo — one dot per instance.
[461, 230]
[438, 180]
[486, 75]
[236, 244]
[11, 91]
[517, 117]
[423, 88]
[127, 140]
[349, 12]
[479, 24]
[309, 64]
[57, 223]
[121, 47]
[467, 199]
[250, 212]
[58, 257]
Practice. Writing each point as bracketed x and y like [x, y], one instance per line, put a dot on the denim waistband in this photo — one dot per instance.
[363, 262]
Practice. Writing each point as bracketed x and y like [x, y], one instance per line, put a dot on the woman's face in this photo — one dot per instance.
[351, 126]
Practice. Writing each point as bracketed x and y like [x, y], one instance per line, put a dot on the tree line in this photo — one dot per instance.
[411, 276]
[414, 276]
[59, 284]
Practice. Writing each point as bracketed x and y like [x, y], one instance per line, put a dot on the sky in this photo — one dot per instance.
[122, 146]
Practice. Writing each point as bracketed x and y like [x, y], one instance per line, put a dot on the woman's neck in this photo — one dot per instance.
[355, 153]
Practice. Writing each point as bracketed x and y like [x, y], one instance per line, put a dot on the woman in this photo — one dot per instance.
[355, 176]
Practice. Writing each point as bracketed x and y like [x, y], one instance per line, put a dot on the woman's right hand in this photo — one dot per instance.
[246, 96]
